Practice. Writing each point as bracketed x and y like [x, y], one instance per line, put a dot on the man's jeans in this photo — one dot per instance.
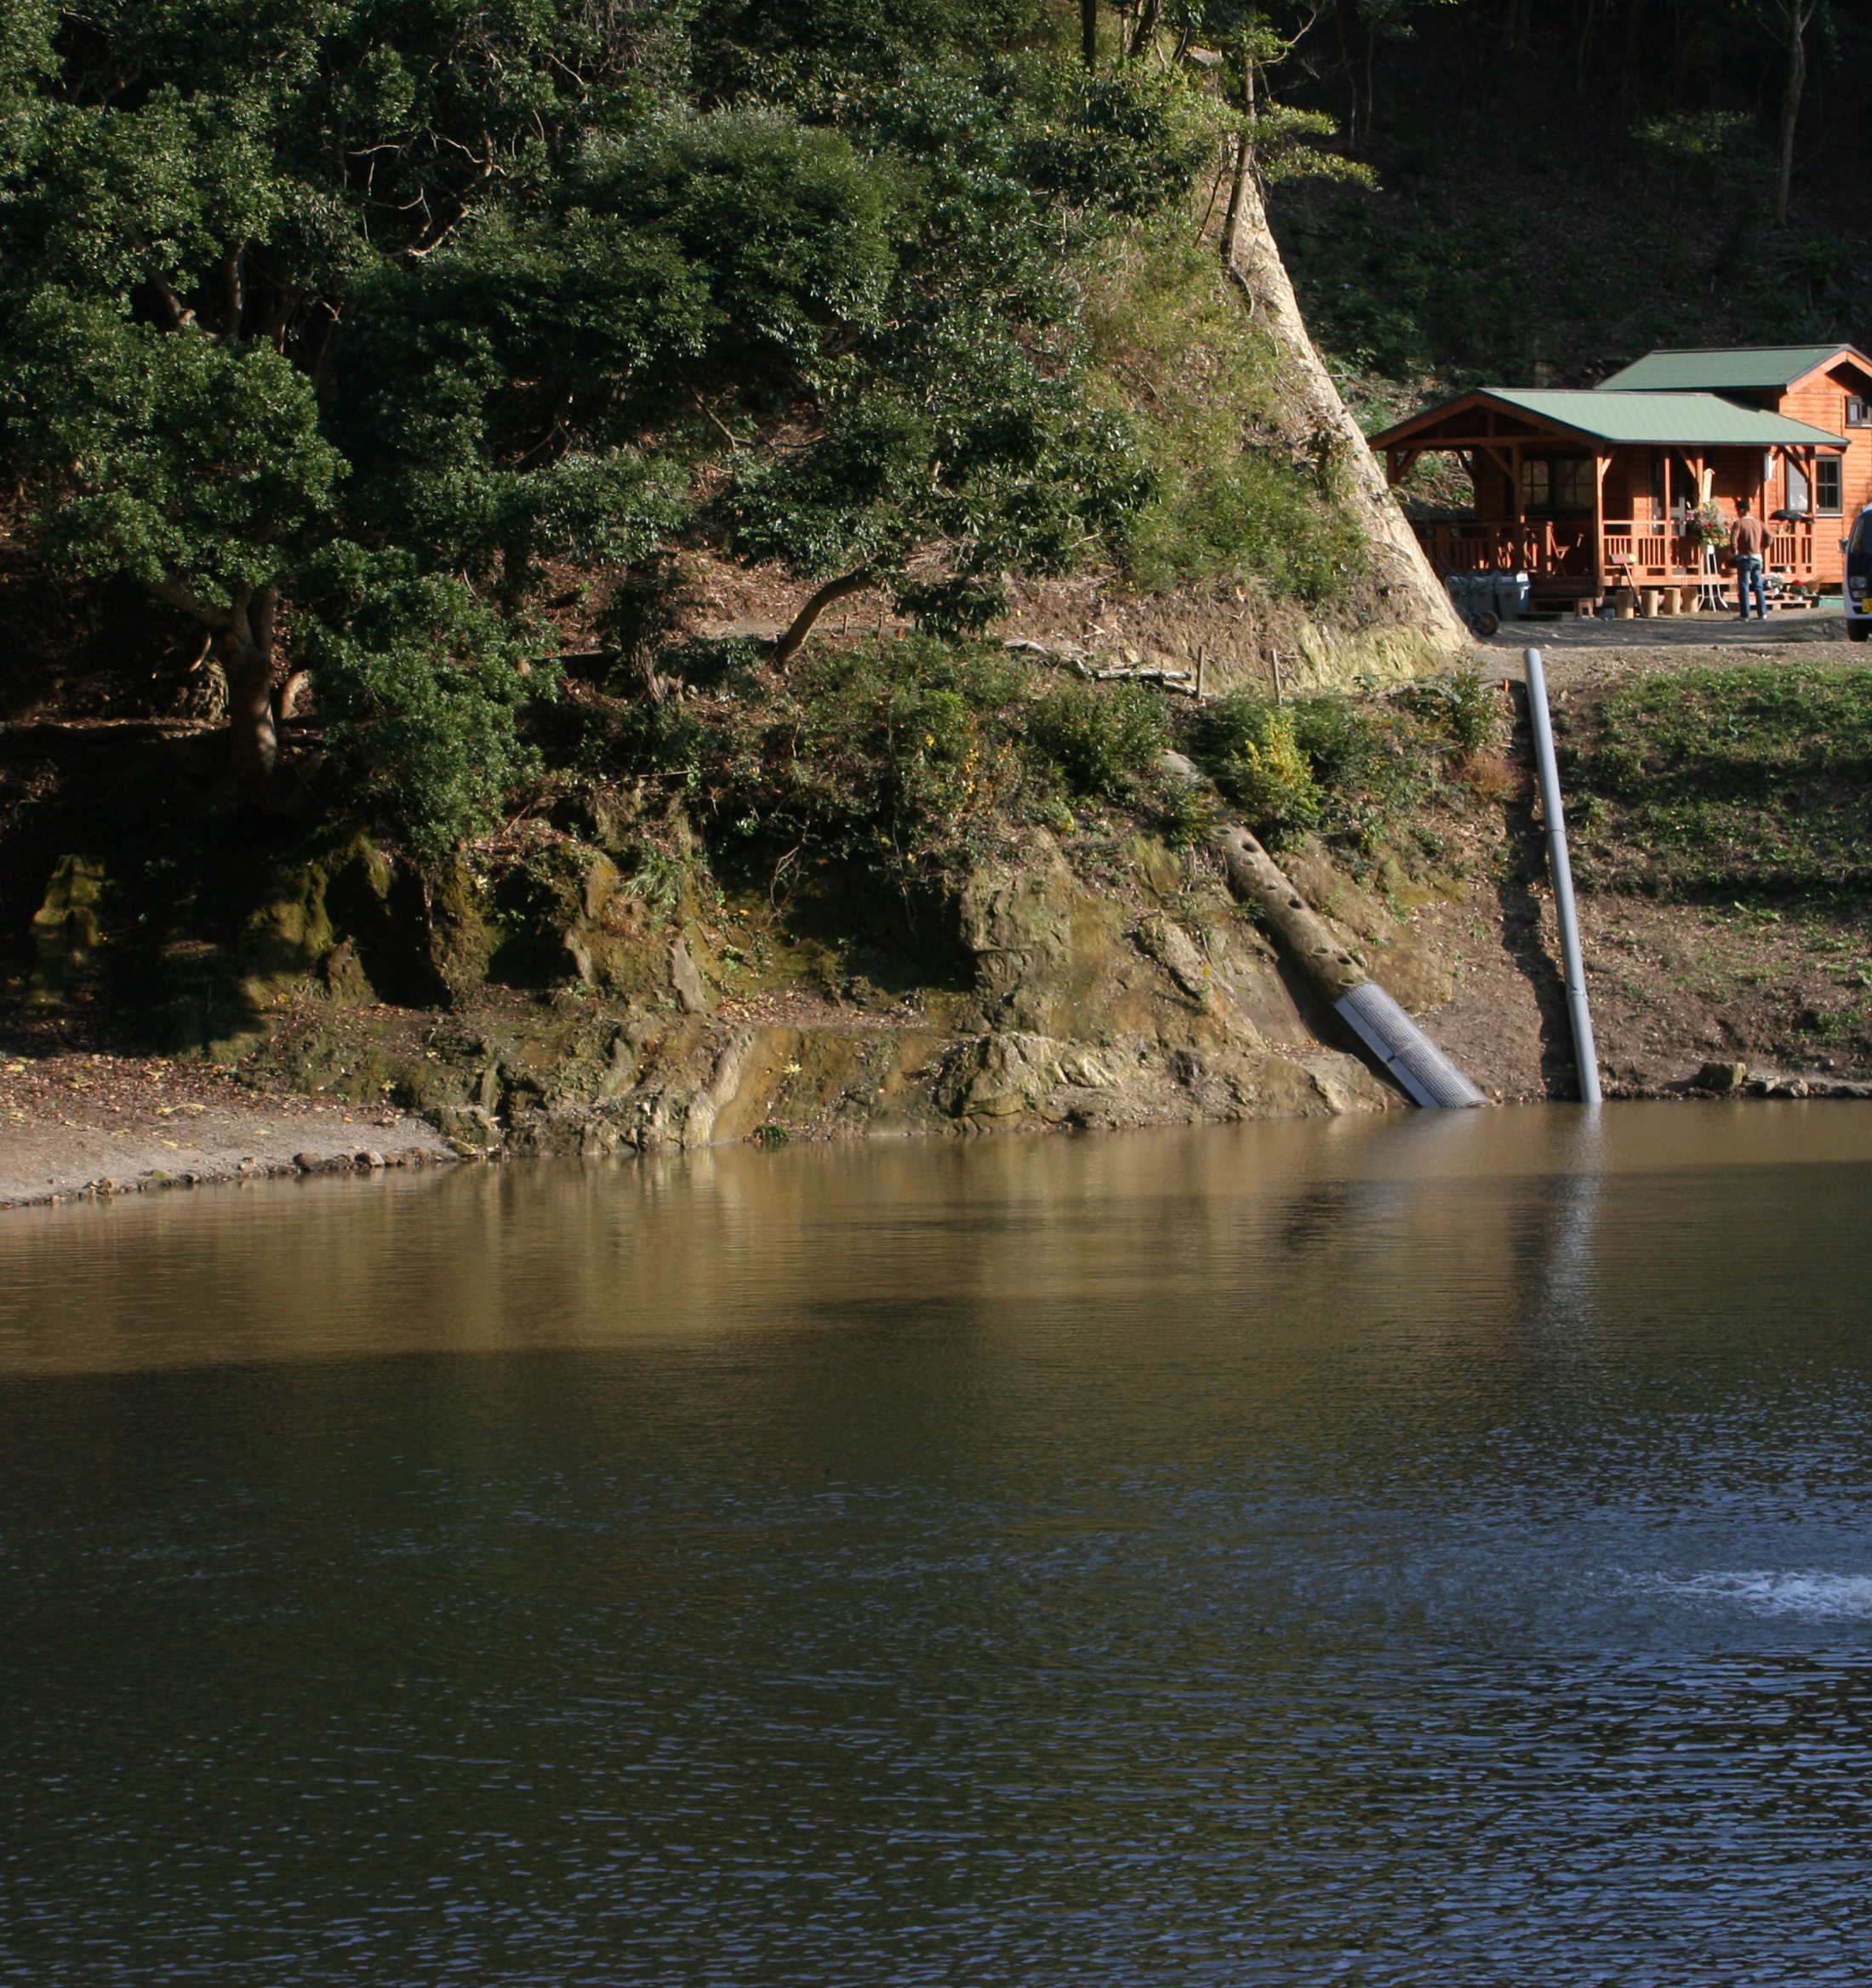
[1748, 574]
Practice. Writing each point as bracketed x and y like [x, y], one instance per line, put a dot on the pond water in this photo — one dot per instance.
[1433, 1549]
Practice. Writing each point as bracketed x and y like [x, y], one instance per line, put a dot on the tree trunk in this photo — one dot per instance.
[1254, 875]
[245, 648]
[1253, 261]
[1146, 29]
[1799, 13]
[1088, 33]
[243, 635]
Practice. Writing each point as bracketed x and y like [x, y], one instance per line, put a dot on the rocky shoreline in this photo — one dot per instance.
[364, 1019]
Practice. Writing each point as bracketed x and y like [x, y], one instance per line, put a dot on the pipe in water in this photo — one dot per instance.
[1585, 1056]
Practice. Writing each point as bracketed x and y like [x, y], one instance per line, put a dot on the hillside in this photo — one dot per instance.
[688, 598]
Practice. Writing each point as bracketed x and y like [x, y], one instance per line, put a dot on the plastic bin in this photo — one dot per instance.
[1491, 595]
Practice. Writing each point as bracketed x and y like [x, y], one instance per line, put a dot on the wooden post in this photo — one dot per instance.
[1601, 464]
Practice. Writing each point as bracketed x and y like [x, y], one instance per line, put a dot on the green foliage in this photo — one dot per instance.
[1254, 753]
[911, 759]
[1461, 706]
[177, 460]
[1727, 783]
[1353, 769]
[420, 681]
[902, 757]
[1708, 138]
[1197, 379]
[1099, 738]
[501, 292]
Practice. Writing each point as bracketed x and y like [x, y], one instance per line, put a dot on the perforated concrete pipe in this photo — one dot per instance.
[1427, 1076]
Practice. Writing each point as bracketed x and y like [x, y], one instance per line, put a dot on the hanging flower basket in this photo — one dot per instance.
[1707, 526]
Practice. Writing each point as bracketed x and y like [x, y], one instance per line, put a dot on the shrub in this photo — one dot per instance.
[1351, 768]
[1099, 740]
[901, 755]
[1252, 748]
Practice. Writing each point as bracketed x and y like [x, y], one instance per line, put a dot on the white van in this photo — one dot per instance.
[1858, 577]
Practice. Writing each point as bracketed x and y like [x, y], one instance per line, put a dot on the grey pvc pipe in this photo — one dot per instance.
[1585, 1055]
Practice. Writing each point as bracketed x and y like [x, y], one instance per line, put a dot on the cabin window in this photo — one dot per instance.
[1797, 488]
[1827, 496]
[1858, 413]
[1555, 487]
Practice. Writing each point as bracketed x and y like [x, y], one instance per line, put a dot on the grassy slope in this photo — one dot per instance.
[1726, 810]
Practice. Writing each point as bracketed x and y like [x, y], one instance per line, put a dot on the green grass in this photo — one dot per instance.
[1748, 785]
[1200, 382]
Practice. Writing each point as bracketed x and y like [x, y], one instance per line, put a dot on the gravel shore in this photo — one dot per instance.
[73, 1126]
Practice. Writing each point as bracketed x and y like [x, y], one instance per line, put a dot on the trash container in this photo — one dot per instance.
[1486, 600]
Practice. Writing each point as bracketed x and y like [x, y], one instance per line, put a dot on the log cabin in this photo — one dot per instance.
[1589, 491]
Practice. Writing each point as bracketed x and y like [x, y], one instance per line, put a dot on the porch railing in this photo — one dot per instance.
[1547, 549]
[1537, 548]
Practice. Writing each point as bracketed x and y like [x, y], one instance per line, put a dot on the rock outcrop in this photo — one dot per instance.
[1083, 1006]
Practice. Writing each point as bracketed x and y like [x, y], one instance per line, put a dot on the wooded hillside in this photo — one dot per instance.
[1560, 188]
[373, 360]
[380, 350]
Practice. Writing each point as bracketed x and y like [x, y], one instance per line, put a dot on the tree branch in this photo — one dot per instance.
[178, 315]
[171, 595]
[789, 644]
[233, 293]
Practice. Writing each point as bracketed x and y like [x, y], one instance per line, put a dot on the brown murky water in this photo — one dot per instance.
[1428, 1551]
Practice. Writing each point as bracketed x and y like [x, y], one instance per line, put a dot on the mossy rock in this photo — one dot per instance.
[66, 931]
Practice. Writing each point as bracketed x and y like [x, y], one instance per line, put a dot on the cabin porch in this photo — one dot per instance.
[1587, 560]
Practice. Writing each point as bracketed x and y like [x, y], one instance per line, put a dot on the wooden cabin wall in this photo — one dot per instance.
[1820, 399]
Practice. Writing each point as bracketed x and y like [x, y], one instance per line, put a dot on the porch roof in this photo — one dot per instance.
[1724, 370]
[1673, 420]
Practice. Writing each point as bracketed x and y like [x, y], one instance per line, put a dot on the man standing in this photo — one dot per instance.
[1749, 541]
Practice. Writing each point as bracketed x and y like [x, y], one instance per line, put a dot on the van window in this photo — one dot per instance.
[1862, 533]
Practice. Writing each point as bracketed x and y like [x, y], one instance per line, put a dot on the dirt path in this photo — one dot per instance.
[1577, 654]
[73, 1125]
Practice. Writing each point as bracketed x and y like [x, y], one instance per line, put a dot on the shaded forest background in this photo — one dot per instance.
[1560, 188]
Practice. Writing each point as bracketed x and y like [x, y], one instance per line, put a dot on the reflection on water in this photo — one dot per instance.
[1422, 1552]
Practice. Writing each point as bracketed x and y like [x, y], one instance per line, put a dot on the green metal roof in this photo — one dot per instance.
[1668, 419]
[1720, 370]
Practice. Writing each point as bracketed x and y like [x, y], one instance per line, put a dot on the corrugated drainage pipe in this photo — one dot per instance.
[1427, 1076]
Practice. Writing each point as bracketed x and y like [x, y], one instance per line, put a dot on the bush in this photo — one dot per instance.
[1252, 750]
[902, 756]
[1351, 768]
[1097, 739]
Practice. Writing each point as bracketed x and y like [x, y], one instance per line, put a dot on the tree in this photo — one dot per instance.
[1788, 20]
[343, 327]
[1271, 143]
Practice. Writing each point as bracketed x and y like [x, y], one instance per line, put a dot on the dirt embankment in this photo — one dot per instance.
[1090, 985]
[1773, 978]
